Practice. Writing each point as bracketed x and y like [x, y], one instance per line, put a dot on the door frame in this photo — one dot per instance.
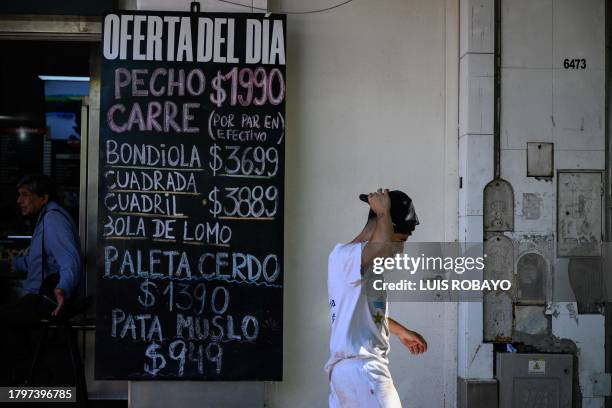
[78, 29]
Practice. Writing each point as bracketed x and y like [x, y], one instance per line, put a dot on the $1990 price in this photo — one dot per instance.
[248, 87]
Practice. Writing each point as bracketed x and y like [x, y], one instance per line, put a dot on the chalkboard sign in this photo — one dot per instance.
[190, 275]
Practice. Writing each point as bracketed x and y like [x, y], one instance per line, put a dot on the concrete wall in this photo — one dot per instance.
[541, 101]
[372, 102]
[476, 103]
[372, 93]
[544, 102]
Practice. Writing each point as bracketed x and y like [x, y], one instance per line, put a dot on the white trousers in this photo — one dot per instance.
[362, 383]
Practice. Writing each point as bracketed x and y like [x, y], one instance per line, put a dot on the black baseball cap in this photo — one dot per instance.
[403, 214]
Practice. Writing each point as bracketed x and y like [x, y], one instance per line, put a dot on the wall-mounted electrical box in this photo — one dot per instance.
[476, 393]
[540, 159]
[534, 380]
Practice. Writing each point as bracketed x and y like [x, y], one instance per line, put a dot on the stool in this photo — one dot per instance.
[67, 322]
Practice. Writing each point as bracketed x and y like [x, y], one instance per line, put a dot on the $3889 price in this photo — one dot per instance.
[244, 202]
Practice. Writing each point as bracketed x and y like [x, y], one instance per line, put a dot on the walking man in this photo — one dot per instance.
[358, 366]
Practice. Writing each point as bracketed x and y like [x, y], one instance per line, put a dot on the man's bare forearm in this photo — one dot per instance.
[384, 228]
[395, 327]
[411, 339]
[378, 246]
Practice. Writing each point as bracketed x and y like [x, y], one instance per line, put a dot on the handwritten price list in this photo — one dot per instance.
[192, 130]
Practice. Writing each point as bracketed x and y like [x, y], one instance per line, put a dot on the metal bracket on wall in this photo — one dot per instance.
[498, 206]
[497, 306]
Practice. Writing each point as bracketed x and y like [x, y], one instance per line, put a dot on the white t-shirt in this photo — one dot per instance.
[359, 327]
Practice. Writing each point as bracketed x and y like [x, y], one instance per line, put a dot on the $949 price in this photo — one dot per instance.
[244, 202]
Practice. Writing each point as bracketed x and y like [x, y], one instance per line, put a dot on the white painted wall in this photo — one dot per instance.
[372, 101]
[476, 103]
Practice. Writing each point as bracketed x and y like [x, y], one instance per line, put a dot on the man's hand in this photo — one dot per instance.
[413, 341]
[60, 297]
[380, 202]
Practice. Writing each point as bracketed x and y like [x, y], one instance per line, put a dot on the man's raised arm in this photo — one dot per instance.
[379, 243]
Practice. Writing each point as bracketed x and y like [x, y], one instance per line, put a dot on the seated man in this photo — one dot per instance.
[53, 267]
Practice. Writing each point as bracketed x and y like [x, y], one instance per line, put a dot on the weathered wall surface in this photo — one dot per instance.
[371, 102]
[546, 99]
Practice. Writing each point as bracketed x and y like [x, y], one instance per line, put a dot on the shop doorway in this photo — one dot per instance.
[49, 96]
[43, 121]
